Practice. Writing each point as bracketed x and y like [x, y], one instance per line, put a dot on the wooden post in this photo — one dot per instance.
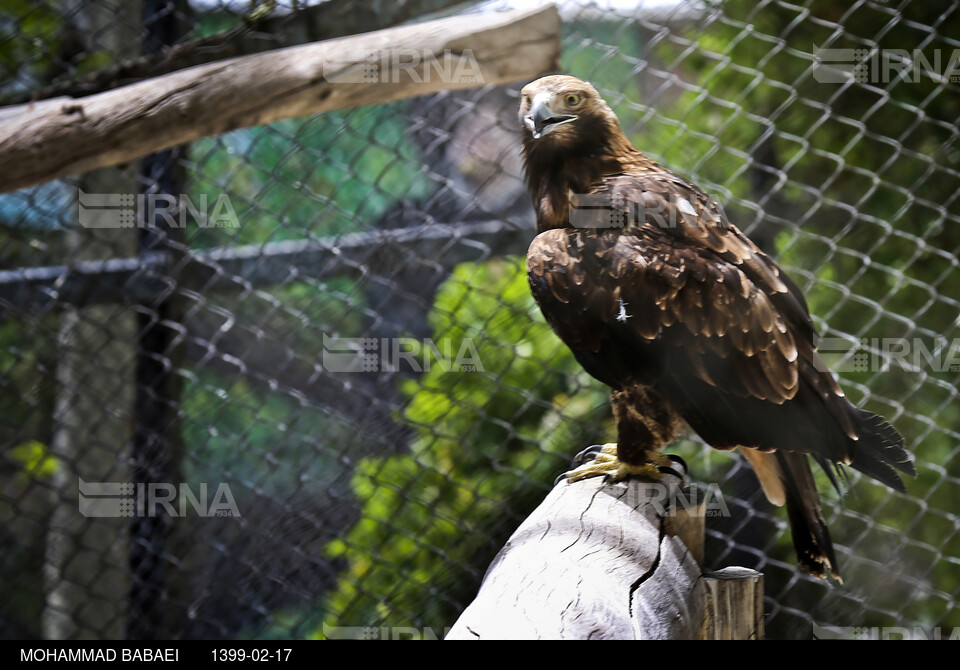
[607, 561]
[734, 605]
[85, 561]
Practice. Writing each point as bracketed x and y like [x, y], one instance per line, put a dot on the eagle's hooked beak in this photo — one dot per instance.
[541, 119]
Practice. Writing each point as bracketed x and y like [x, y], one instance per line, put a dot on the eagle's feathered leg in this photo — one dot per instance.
[645, 423]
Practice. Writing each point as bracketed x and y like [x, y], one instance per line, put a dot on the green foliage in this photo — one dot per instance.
[488, 443]
[330, 174]
[23, 63]
[35, 459]
[246, 435]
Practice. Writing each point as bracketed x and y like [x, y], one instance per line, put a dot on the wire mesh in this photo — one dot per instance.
[346, 361]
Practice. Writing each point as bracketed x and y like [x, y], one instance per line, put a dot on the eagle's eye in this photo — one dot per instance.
[572, 99]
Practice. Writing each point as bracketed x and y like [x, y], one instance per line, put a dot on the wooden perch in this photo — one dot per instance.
[59, 137]
[606, 561]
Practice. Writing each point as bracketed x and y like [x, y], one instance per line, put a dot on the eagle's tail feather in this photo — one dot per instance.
[834, 473]
[811, 539]
[880, 452]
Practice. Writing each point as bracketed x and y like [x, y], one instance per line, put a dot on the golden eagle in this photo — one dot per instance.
[659, 297]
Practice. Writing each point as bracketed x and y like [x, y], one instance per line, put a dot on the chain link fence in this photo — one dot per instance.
[321, 405]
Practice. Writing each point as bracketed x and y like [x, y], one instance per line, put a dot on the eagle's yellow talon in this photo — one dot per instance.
[612, 469]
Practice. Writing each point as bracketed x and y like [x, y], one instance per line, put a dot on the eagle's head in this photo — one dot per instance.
[560, 110]
[571, 139]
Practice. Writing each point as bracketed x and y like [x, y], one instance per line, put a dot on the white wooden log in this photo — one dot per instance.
[596, 561]
[614, 561]
[61, 137]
